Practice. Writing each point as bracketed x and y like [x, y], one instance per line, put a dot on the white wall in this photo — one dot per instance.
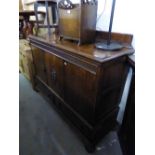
[122, 17]
[123, 21]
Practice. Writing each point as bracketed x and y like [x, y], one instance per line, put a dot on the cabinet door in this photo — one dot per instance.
[79, 90]
[54, 67]
[111, 84]
[39, 61]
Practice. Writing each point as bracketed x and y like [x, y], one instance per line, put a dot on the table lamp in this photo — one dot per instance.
[108, 44]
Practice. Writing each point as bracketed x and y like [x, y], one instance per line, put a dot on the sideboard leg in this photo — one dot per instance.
[90, 148]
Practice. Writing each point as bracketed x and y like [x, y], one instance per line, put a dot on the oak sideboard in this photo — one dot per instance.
[83, 83]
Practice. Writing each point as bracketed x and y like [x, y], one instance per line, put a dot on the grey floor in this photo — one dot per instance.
[44, 132]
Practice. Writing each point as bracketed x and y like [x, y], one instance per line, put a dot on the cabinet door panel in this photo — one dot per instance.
[111, 86]
[54, 67]
[79, 90]
[39, 61]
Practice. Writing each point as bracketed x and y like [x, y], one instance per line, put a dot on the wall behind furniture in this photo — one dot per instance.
[123, 21]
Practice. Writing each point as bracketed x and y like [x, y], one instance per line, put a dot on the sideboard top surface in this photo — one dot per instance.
[87, 50]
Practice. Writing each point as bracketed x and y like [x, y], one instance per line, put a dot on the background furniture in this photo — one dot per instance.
[25, 59]
[84, 84]
[25, 24]
[51, 14]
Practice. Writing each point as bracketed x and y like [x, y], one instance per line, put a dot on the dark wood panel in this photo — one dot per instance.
[39, 61]
[85, 87]
[79, 89]
[111, 84]
[82, 62]
[54, 67]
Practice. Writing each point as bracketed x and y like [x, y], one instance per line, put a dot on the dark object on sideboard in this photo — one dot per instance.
[127, 130]
[77, 21]
[109, 45]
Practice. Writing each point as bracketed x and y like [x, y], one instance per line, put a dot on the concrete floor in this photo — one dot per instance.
[44, 132]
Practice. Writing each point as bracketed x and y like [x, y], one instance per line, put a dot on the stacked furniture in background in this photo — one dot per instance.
[25, 59]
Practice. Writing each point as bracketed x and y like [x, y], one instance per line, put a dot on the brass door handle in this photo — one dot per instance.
[53, 75]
